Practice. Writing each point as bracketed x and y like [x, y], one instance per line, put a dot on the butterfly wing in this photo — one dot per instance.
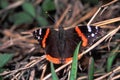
[91, 35]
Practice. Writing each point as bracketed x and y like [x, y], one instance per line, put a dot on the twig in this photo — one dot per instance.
[107, 21]
[62, 17]
[88, 15]
[102, 77]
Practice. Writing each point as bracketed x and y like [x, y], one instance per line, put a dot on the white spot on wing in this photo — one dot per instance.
[89, 28]
[96, 27]
[38, 37]
[93, 35]
[40, 31]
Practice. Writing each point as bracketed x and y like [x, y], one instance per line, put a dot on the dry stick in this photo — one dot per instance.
[32, 75]
[43, 72]
[62, 17]
[109, 3]
[11, 6]
[116, 77]
[101, 78]
[86, 51]
[68, 75]
[88, 15]
[15, 77]
[94, 16]
[107, 21]
[85, 77]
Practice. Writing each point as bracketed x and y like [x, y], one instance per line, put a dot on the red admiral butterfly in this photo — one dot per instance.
[60, 44]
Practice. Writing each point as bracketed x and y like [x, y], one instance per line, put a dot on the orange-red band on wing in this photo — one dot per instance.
[57, 60]
[44, 39]
[84, 39]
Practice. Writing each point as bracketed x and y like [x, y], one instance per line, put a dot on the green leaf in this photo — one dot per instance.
[29, 8]
[73, 71]
[1, 70]
[54, 76]
[1, 78]
[42, 21]
[111, 58]
[4, 3]
[4, 58]
[21, 18]
[91, 69]
[48, 5]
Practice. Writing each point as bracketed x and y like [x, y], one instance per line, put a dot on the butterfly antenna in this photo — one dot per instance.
[53, 20]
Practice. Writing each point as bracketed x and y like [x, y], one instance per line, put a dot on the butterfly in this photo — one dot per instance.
[59, 44]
